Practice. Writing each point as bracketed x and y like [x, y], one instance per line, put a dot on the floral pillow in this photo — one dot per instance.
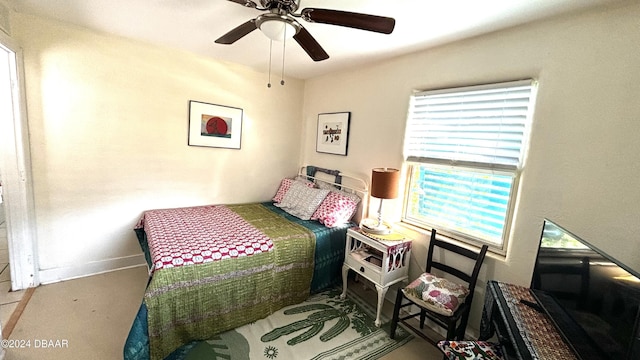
[436, 294]
[472, 350]
[302, 201]
[285, 185]
[336, 209]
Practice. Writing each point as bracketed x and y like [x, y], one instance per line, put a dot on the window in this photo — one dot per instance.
[465, 148]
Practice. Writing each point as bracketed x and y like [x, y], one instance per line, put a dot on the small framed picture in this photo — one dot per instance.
[214, 125]
[333, 133]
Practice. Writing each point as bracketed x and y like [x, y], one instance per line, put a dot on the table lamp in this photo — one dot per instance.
[384, 185]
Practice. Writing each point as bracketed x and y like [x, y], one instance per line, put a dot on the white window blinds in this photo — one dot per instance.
[470, 126]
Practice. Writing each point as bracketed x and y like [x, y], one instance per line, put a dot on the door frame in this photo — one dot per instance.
[15, 162]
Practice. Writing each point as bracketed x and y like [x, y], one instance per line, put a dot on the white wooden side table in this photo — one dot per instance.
[378, 259]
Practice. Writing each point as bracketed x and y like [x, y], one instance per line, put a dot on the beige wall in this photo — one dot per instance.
[108, 122]
[583, 163]
[108, 126]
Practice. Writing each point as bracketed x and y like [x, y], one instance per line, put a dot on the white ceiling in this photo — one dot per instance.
[194, 25]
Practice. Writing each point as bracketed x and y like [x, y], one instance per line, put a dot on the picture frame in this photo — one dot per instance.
[333, 133]
[214, 125]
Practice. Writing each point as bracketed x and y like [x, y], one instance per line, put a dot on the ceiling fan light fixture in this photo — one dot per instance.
[281, 23]
[277, 27]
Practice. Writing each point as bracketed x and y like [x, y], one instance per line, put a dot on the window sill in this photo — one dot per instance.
[414, 231]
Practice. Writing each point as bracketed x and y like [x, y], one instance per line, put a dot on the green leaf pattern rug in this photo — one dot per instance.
[323, 327]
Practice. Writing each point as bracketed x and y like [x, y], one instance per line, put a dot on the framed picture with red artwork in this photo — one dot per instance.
[333, 133]
[214, 125]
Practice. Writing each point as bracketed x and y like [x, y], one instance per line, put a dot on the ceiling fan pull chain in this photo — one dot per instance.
[270, 46]
[284, 46]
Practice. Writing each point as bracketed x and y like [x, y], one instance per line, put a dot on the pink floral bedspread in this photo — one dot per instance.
[195, 235]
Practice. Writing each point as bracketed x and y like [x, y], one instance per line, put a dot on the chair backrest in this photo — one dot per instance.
[470, 278]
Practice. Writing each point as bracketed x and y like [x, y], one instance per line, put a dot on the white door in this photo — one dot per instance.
[15, 166]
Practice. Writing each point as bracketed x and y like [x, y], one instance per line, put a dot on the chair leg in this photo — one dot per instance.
[463, 327]
[423, 317]
[451, 331]
[396, 315]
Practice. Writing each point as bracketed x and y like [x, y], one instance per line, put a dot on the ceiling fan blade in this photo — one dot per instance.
[237, 33]
[367, 22]
[247, 3]
[310, 45]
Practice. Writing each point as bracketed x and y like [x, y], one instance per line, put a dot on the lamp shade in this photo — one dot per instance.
[384, 183]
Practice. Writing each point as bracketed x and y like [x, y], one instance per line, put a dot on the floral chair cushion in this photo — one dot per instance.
[436, 294]
[470, 350]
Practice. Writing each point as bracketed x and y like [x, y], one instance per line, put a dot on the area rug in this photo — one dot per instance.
[323, 327]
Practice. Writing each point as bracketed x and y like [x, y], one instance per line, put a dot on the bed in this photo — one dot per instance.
[217, 267]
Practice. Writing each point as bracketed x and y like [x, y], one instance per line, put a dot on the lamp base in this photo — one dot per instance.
[373, 226]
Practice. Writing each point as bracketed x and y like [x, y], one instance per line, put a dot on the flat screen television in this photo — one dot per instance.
[592, 298]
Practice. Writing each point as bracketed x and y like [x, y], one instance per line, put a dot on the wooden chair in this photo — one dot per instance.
[456, 323]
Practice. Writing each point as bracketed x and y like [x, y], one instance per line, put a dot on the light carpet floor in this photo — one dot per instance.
[89, 318]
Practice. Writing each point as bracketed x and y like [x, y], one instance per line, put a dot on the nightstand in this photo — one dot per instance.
[381, 259]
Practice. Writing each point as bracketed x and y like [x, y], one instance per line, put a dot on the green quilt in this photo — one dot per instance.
[189, 303]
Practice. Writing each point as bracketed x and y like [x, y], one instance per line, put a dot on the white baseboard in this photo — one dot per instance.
[50, 276]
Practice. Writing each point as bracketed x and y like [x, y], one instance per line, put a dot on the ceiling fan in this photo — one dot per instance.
[280, 21]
